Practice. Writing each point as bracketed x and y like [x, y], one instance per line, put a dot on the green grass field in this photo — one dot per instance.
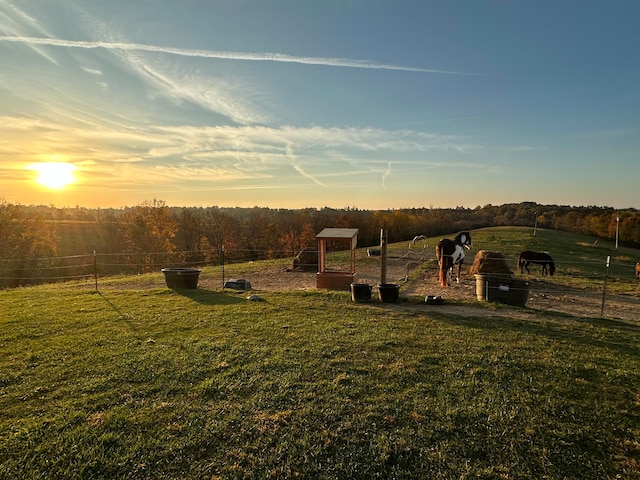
[138, 382]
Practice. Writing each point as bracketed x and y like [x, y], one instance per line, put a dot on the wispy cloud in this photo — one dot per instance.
[230, 99]
[608, 133]
[14, 20]
[224, 55]
[217, 154]
[524, 148]
[386, 175]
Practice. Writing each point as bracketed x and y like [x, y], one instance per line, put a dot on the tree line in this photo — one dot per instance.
[153, 233]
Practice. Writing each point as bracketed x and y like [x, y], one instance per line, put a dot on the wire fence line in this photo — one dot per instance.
[413, 267]
[27, 271]
[402, 262]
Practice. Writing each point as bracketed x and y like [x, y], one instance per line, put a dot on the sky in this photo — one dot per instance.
[367, 104]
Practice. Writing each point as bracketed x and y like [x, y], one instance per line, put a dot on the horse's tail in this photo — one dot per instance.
[442, 273]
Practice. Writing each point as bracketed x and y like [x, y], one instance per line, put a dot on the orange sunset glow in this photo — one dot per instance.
[54, 175]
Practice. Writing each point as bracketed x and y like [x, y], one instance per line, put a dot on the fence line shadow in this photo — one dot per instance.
[207, 297]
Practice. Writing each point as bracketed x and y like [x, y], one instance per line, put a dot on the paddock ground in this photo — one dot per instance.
[544, 296]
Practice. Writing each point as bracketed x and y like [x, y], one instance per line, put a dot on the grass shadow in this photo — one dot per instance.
[207, 297]
[617, 339]
[612, 323]
[112, 305]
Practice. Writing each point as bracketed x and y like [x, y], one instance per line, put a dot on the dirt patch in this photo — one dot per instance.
[549, 298]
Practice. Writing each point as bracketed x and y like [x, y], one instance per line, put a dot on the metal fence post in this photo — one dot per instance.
[604, 287]
[95, 269]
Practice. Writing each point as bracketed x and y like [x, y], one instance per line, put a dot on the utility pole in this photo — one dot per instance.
[535, 223]
[617, 228]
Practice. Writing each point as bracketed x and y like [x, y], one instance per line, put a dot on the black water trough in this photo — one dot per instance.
[177, 277]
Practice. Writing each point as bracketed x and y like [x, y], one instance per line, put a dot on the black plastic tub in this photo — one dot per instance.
[388, 292]
[361, 292]
[502, 288]
[181, 277]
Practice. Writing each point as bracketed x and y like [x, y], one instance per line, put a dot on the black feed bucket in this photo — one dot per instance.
[361, 292]
[388, 292]
[181, 277]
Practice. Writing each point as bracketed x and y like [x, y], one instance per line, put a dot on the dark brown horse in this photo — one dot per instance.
[540, 258]
[450, 252]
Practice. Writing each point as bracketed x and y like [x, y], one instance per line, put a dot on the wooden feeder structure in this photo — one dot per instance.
[336, 279]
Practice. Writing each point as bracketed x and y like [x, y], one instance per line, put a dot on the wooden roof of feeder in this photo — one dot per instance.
[350, 234]
[338, 233]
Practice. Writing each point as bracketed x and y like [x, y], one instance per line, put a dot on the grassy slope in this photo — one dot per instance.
[152, 383]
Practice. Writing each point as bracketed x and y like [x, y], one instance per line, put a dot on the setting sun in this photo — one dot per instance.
[55, 175]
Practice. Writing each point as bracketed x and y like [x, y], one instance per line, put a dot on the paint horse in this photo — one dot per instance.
[638, 270]
[539, 258]
[449, 253]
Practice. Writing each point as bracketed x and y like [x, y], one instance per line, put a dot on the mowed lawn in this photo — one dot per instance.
[136, 382]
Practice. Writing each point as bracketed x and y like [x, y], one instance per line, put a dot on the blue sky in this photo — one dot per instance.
[288, 103]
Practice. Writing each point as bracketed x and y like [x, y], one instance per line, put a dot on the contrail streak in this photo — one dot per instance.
[269, 57]
[385, 175]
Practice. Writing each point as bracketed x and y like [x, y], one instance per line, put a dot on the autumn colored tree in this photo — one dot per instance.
[152, 235]
[189, 237]
[259, 235]
[27, 240]
[218, 230]
[296, 237]
[150, 230]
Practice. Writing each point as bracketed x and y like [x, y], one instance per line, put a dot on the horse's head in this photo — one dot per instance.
[464, 239]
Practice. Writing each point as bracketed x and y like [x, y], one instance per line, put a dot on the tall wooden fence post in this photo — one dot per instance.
[383, 256]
